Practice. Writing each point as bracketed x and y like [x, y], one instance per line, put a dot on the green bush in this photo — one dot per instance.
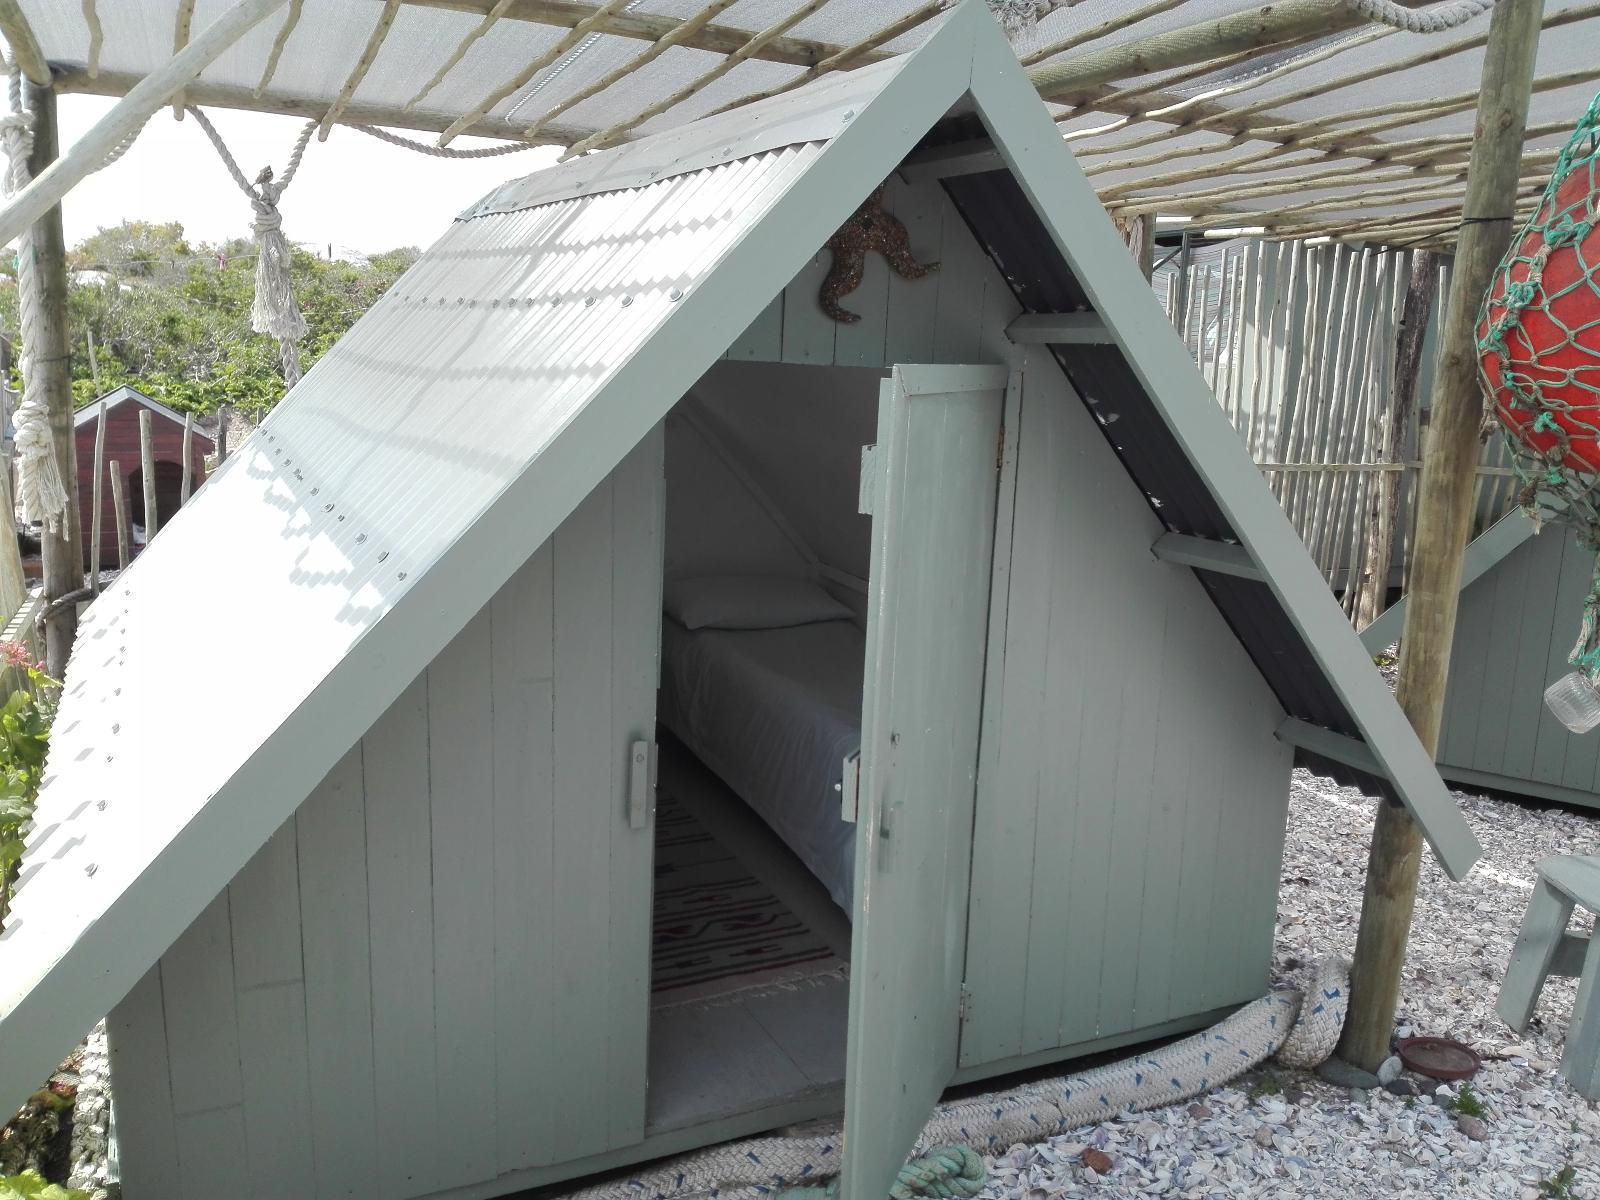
[24, 738]
[172, 317]
[30, 1186]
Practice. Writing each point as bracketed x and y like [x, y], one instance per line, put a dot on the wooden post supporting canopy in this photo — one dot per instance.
[1444, 517]
[62, 551]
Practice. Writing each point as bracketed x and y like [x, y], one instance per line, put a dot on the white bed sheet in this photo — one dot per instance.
[775, 712]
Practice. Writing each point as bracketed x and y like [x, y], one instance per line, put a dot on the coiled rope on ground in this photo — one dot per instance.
[948, 1154]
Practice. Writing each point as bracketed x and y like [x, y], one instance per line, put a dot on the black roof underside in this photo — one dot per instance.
[1005, 224]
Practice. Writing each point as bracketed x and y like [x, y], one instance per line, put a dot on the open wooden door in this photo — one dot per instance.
[930, 484]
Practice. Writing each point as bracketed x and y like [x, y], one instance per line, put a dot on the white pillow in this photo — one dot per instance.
[749, 602]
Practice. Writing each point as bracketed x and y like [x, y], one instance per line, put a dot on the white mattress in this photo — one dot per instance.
[775, 712]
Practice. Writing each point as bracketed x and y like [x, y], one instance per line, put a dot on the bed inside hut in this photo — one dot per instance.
[763, 644]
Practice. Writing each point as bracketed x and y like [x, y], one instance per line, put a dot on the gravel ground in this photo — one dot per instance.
[1288, 1134]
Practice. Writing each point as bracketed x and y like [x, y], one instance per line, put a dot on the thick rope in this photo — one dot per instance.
[38, 475]
[275, 311]
[394, 139]
[1018, 17]
[1316, 1030]
[949, 1151]
[1427, 20]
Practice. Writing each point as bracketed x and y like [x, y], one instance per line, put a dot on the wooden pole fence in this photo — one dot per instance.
[147, 468]
[119, 502]
[97, 499]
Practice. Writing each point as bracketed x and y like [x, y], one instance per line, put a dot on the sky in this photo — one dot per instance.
[354, 192]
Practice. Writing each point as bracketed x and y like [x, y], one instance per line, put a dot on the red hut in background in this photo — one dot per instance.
[123, 407]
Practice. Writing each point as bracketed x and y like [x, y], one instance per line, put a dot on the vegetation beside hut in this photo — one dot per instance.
[172, 317]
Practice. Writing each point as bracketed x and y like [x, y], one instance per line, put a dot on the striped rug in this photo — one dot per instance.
[719, 931]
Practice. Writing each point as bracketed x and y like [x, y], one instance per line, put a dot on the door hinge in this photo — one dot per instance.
[1000, 451]
[964, 1010]
[644, 760]
[868, 494]
[849, 787]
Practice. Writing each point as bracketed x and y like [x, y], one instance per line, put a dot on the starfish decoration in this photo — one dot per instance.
[871, 228]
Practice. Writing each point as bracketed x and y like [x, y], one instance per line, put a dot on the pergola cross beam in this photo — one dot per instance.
[719, 39]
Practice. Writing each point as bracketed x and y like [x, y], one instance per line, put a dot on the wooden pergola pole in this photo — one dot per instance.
[1444, 518]
[1253, 29]
[62, 551]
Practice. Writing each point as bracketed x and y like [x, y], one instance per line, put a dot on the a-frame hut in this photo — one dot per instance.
[372, 915]
[1521, 603]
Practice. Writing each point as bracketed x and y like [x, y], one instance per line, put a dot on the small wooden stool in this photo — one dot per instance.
[1545, 948]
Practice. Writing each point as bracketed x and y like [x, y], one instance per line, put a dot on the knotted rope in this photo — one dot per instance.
[1427, 20]
[38, 475]
[1301, 1030]
[1018, 17]
[275, 311]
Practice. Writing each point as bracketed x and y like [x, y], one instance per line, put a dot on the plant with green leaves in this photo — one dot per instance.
[172, 317]
[25, 720]
[1559, 1185]
[1467, 1103]
[30, 1185]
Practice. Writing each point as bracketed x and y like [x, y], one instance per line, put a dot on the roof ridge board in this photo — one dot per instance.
[815, 113]
[1055, 182]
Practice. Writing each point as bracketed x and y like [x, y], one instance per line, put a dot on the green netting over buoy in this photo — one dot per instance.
[1539, 357]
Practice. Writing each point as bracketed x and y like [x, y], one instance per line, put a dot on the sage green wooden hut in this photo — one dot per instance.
[371, 911]
[1521, 604]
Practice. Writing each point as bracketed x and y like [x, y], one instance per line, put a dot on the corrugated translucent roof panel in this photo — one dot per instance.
[457, 380]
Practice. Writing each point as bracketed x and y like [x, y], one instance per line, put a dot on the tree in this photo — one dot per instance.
[173, 318]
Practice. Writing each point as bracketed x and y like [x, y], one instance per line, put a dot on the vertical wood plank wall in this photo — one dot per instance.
[1517, 625]
[1125, 863]
[437, 971]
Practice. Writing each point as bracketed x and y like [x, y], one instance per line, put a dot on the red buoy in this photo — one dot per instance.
[1552, 338]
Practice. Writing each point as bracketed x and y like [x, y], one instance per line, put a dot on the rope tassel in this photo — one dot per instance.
[275, 312]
